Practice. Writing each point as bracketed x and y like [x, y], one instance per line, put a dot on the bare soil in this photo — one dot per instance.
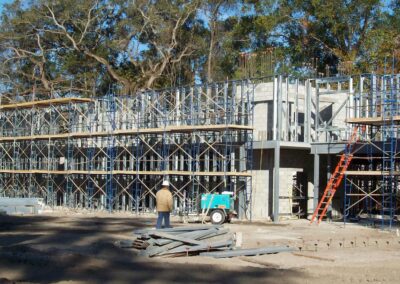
[73, 247]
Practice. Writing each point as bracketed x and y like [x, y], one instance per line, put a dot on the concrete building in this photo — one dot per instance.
[275, 142]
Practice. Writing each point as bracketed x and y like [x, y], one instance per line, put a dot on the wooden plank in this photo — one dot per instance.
[371, 173]
[176, 238]
[178, 229]
[169, 129]
[203, 247]
[213, 233]
[45, 103]
[379, 120]
[153, 251]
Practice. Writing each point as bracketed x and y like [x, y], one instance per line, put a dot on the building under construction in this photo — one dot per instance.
[285, 146]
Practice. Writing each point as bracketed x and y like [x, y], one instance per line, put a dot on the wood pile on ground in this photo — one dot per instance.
[206, 240]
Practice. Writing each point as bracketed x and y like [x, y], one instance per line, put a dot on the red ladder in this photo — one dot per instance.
[335, 179]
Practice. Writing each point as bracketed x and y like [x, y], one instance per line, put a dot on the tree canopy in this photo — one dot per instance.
[88, 46]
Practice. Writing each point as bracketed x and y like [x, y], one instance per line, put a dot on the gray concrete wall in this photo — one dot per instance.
[263, 163]
[292, 161]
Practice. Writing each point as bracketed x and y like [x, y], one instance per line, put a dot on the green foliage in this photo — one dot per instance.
[87, 46]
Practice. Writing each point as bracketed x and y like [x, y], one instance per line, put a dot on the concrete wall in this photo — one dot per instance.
[263, 164]
[292, 161]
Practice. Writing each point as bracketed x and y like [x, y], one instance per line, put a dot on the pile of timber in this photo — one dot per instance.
[204, 240]
[183, 240]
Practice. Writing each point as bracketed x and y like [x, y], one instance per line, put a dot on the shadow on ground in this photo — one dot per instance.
[48, 249]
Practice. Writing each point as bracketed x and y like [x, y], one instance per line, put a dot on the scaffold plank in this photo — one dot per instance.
[169, 129]
[372, 173]
[45, 103]
[120, 172]
[378, 120]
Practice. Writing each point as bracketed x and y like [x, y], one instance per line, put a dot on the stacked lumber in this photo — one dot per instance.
[182, 240]
[203, 240]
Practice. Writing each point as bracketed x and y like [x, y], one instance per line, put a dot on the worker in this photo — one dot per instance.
[164, 205]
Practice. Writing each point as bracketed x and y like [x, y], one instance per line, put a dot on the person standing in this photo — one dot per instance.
[164, 205]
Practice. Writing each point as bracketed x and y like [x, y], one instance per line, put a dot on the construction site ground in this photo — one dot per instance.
[79, 247]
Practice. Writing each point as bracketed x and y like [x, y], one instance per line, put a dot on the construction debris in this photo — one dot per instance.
[214, 241]
[181, 240]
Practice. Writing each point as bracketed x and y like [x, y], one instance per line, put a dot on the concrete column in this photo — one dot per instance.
[316, 180]
[276, 182]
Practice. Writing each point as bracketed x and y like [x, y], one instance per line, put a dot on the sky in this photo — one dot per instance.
[2, 2]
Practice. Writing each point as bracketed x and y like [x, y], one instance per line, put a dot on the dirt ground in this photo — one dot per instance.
[71, 247]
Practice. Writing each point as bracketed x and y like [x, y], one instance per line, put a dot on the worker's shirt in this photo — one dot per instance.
[164, 200]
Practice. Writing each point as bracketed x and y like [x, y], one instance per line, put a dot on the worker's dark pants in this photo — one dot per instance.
[161, 216]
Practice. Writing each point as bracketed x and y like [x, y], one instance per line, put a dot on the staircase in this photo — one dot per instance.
[335, 180]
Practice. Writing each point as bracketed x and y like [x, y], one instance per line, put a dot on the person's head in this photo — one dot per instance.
[165, 184]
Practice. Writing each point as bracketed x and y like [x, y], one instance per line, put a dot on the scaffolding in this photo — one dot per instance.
[113, 152]
[372, 180]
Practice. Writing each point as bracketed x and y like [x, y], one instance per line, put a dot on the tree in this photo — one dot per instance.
[48, 44]
[333, 31]
[86, 46]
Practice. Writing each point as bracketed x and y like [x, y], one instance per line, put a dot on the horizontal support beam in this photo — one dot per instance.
[45, 103]
[372, 173]
[379, 120]
[118, 172]
[271, 144]
[332, 80]
[168, 129]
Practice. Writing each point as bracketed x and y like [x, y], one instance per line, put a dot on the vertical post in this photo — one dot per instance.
[241, 193]
[287, 106]
[307, 114]
[177, 107]
[316, 180]
[363, 100]
[276, 182]
[372, 111]
[279, 109]
[296, 113]
[352, 103]
[275, 206]
[316, 121]
[275, 109]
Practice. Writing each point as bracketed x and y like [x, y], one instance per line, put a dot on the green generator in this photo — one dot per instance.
[218, 206]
